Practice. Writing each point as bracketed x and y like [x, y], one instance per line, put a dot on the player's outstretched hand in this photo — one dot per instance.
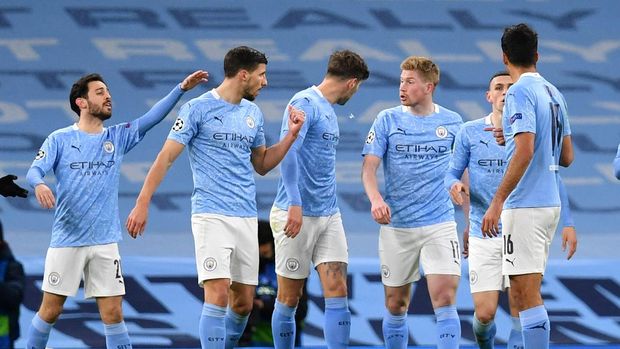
[293, 222]
[380, 211]
[465, 252]
[498, 133]
[9, 188]
[44, 195]
[296, 119]
[136, 222]
[490, 221]
[457, 191]
[195, 78]
[569, 237]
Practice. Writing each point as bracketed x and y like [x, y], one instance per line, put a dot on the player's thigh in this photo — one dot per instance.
[442, 289]
[485, 265]
[333, 276]
[440, 253]
[399, 253]
[64, 267]
[331, 251]
[527, 234]
[103, 275]
[293, 255]
[244, 258]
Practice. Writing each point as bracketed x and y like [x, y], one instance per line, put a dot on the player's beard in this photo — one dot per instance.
[99, 112]
[247, 94]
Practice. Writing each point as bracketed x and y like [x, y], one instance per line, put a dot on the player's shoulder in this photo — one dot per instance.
[63, 132]
[306, 97]
[391, 113]
[449, 114]
[475, 124]
[204, 102]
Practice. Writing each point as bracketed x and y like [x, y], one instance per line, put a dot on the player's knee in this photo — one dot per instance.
[242, 306]
[50, 312]
[111, 314]
[290, 297]
[485, 316]
[397, 305]
[335, 288]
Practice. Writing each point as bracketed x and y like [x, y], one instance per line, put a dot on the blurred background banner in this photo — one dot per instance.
[143, 48]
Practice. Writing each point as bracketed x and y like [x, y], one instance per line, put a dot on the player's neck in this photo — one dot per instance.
[90, 124]
[424, 108]
[516, 71]
[331, 90]
[230, 91]
[496, 119]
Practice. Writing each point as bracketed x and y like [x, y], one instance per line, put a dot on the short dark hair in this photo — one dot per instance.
[80, 89]
[499, 73]
[347, 64]
[242, 57]
[520, 44]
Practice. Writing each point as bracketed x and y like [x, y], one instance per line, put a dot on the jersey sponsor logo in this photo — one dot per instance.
[492, 162]
[178, 125]
[515, 117]
[40, 154]
[421, 148]
[219, 118]
[441, 132]
[108, 147]
[332, 137]
[209, 264]
[385, 271]
[54, 278]
[226, 136]
[250, 122]
[292, 264]
[91, 165]
[76, 147]
[485, 143]
[371, 137]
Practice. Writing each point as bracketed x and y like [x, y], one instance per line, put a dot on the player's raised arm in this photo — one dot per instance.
[159, 111]
[265, 159]
[136, 222]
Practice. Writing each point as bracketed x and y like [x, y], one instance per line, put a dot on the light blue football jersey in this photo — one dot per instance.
[87, 168]
[535, 105]
[476, 150]
[416, 152]
[316, 155]
[220, 137]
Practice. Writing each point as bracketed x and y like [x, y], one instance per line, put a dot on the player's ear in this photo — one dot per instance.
[81, 102]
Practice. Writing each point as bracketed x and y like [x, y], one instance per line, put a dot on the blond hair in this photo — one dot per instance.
[424, 66]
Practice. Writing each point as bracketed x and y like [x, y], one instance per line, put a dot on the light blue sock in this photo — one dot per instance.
[235, 324]
[485, 333]
[337, 323]
[212, 326]
[448, 327]
[283, 326]
[395, 331]
[38, 333]
[515, 341]
[536, 327]
[116, 336]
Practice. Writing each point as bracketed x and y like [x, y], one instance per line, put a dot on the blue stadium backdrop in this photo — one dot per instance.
[143, 48]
